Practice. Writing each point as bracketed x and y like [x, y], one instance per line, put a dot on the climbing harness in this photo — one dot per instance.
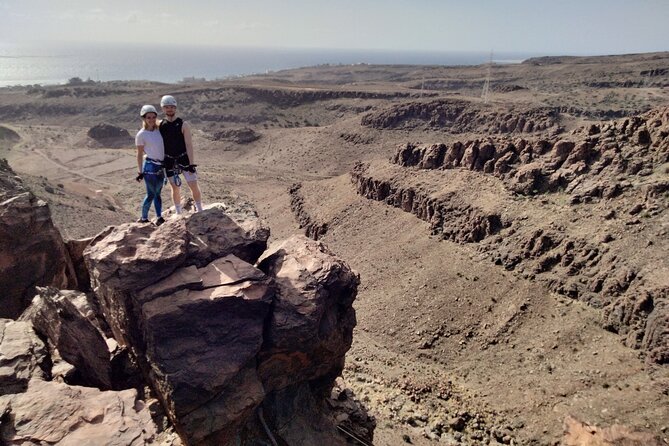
[177, 168]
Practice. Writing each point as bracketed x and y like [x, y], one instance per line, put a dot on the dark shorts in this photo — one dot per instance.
[172, 164]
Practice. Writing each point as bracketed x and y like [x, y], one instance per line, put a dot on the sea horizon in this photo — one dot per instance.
[54, 64]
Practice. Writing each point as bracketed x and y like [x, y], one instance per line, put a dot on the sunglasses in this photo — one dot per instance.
[150, 117]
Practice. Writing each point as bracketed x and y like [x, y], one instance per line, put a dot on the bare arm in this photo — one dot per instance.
[188, 139]
[140, 158]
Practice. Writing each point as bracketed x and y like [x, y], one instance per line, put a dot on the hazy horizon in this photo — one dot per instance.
[570, 27]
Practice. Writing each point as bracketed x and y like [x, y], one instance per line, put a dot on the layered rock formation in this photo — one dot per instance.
[312, 229]
[67, 319]
[27, 262]
[450, 216]
[239, 136]
[620, 163]
[577, 164]
[460, 116]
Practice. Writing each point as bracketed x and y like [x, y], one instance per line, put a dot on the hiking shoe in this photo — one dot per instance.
[142, 220]
[159, 221]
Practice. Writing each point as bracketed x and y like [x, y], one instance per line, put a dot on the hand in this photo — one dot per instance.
[191, 168]
[139, 177]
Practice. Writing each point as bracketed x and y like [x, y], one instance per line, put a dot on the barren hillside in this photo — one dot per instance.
[513, 254]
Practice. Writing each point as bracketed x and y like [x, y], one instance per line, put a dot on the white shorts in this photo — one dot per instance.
[188, 176]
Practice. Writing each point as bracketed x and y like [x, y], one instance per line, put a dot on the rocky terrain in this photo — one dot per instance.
[513, 279]
[234, 353]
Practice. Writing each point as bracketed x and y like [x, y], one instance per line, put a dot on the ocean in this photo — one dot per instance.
[56, 64]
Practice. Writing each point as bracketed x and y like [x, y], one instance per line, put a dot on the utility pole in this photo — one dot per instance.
[486, 84]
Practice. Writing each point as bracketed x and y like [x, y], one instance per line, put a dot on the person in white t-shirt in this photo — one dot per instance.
[150, 156]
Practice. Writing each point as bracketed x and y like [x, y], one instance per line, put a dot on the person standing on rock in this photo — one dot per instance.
[179, 156]
[150, 155]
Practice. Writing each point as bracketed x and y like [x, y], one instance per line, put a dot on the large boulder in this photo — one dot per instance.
[201, 342]
[32, 252]
[23, 356]
[68, 320]
[217, 338]
[311, 326]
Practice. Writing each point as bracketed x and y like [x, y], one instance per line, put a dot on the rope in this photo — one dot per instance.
[350, 434]
[269, 433]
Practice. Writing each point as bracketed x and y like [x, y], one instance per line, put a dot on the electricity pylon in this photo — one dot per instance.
[486, 84]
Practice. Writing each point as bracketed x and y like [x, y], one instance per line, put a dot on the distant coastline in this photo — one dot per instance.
[47, 65]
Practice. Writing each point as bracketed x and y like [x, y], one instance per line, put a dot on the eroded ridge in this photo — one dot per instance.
[574, 213]
[585, 164]
[456, 116]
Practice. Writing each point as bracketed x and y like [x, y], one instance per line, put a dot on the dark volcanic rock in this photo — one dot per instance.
[448, 215]
[108, 135]
[582, 164]
[217, 338]
[461, 116]
[75, 249]
[32, 252]
[8, 136]
[239, 136]
[312, 229]
[107, 131]
[314, 294]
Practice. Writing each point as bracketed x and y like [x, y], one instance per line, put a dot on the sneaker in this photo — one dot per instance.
[159, 221]
[142, 220]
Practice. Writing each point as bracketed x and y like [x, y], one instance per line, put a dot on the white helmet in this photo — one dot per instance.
[168, 100]
[147, 109]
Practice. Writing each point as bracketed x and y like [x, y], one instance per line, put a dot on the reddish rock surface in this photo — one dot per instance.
[22, 356]
[312, 311]
[49, 412]
[32, 252]
[218, 338]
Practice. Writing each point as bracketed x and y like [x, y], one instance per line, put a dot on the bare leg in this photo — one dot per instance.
[195, 190]
[176, 195]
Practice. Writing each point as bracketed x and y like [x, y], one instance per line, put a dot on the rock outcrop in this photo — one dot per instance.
[585, 164]
[107, 135]
[312, 229]
[27, 262]
[461, 116]
[34, 410]
[620, 165]
[238, 136]
[8, 136]
[219, 339]
[449, 216]
[49, 412]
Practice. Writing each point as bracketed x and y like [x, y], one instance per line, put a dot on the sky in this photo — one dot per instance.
[539, 26]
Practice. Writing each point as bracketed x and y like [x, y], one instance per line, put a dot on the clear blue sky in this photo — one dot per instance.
[551, 27]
